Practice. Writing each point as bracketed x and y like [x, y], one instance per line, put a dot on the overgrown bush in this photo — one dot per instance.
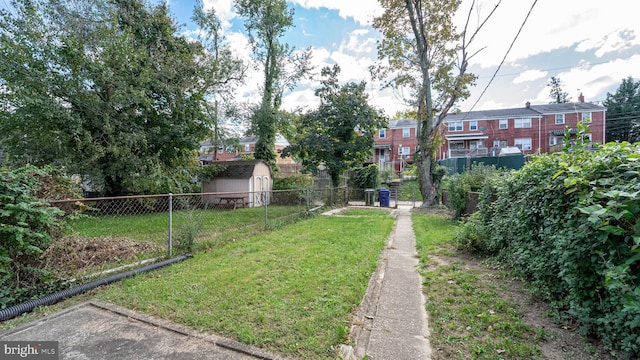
[27, 226]
[459, 185]
[187, 233]
[291, 190]
[366, 177]
[570, 223]
[292, 182]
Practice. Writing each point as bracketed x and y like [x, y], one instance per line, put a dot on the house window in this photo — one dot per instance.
[554, 140]
[455, 126]
[456, 145]
[559, 119]
[586, 117]
[406, 132]
[403, 150]
[522, 123]
[503, 124]
[383, 133]
[476, 144]
[473, 125]
[523, 143]
[247, 147]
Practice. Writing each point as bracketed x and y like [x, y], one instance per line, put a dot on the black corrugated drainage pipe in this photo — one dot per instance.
[13, 311]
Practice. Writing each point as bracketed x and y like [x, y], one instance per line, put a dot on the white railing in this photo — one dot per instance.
[468, 152]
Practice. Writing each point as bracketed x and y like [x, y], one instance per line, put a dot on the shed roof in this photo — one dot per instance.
[241, 169]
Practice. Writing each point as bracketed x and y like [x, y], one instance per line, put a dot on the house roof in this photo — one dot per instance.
[567, 107]
[280, 140]
[402, 123]
[492, 114]
[241, 169]
[533, 110]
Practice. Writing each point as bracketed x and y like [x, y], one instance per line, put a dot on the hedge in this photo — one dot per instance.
[569, 222]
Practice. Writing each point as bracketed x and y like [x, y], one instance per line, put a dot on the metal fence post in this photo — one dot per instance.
[266, 210]
[170, 239]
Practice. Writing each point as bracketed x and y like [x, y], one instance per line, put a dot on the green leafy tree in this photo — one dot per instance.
[423, 52]
[106, 88]
[266, 22]
[623, 112]
[340, 132]
[556, 93]
[223, 72]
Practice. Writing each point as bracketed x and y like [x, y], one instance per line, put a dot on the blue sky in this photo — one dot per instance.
[591, 45]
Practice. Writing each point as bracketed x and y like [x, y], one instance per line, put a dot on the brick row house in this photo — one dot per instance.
[394, 146]
[532, 129]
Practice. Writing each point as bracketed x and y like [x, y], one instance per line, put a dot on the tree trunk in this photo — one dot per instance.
[425, 181]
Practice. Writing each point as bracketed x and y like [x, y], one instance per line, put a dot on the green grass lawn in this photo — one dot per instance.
[469, 318]
[292, 291]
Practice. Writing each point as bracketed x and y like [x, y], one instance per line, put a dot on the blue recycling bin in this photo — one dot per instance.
[384, 195]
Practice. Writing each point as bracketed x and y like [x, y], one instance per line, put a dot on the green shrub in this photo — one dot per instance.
[187, 232]
[27, 226]
[570, 223]
[292, 182]
[459, 185]
[366, 177]
[291, 190]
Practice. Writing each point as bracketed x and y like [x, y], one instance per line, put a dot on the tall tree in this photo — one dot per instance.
[266, 22]
[223, 72]
[105, 87]
[340, 132]
[623, 112]
[423, 52]
[556, 93]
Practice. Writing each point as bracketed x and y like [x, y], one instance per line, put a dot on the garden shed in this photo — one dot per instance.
[243, 183]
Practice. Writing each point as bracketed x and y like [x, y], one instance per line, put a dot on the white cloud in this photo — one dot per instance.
[593, 81]
[223, 8]
[552, 25]
[359, 41]
[530, 75]
[615, 41]
[301, 98]
[362, 11]
[239, 44]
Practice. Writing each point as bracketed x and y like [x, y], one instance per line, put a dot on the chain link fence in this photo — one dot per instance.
[112, 232]
[107, 233]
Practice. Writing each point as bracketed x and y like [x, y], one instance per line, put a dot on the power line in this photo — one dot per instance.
[505, 55]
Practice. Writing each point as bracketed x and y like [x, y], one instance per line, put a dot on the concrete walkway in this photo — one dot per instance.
[392, 321]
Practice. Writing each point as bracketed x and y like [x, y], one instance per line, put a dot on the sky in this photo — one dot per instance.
[591, 45]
